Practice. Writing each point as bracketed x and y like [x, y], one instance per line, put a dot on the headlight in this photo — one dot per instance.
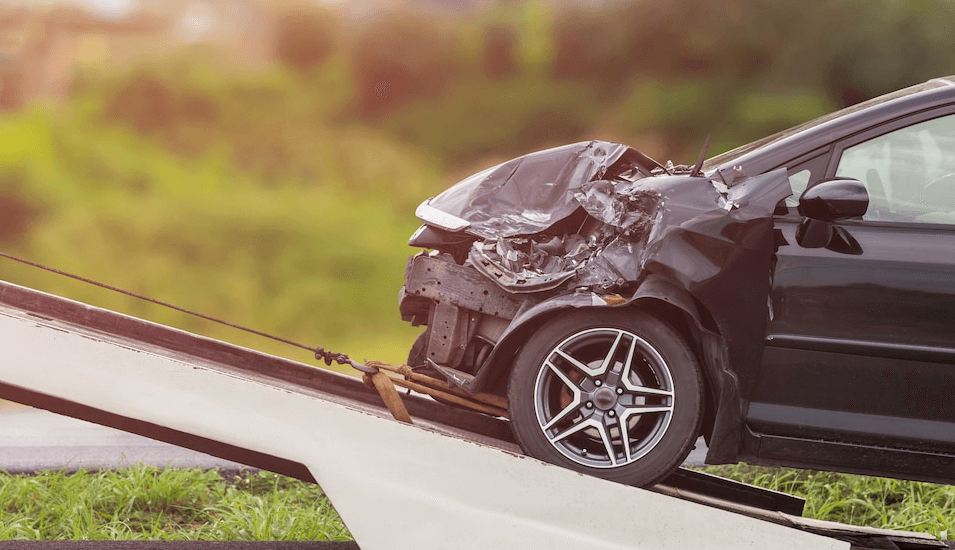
[433, 216]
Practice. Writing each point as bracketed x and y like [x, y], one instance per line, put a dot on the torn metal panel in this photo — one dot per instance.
[697, 238]
[465, 312]
[517, 270]
[436, 278]
[529, 194]
[601, 254]
[627, 206]
[631, 223]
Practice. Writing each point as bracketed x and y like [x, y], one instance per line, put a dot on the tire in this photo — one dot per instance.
[586, 375]
[418, 354]
[418, 361]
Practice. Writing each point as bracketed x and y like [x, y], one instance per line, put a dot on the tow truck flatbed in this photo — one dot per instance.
[454, 479]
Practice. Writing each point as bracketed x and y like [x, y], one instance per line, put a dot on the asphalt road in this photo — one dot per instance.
[32, 440]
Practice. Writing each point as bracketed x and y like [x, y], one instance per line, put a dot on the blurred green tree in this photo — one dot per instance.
[482, 118]
[588, 46]
[399, 57]
[500, 55]
[158, 107]
[305, 38]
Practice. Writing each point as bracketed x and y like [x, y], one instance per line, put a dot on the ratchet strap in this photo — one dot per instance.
[384, 378]
[386, 389]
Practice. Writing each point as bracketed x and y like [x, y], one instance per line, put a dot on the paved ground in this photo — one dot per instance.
[32, 439]
[698, 454]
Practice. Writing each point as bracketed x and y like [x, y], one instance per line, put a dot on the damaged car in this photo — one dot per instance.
[792, 300]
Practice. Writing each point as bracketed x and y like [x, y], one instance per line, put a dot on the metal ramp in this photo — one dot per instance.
[454, 479]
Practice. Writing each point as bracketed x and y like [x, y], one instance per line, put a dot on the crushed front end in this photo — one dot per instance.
[587, 225]
[547, 224]
[619, 305]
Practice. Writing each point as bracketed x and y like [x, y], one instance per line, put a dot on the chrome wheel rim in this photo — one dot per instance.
[604, 397]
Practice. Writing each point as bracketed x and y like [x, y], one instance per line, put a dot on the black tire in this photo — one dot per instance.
[572, 414]
[418, 354]
[418, 361]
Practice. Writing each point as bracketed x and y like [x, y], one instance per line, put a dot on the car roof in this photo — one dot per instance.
[771, 152]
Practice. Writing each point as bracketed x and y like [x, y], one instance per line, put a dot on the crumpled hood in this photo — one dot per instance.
[693, 226]
[689, 224]
[528, 194]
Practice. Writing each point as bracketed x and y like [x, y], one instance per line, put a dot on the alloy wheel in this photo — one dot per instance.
[604, 397]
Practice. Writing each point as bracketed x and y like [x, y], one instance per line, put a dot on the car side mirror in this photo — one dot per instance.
[824, 203]
[833, 200]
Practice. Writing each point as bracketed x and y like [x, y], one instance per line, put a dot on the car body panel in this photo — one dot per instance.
[860, 353]
[873, 329]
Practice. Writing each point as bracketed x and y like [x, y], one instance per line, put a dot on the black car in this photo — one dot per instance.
[792, 300]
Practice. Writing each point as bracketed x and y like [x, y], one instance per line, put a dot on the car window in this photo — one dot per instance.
[805, 173]
[909, 173]
[798, 181]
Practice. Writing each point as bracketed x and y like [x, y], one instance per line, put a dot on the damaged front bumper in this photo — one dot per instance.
[465, 312]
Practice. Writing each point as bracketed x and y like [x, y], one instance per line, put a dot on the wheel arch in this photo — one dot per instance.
[656, 296]
[688, 327]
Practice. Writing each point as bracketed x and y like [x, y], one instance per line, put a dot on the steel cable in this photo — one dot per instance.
[320, 353]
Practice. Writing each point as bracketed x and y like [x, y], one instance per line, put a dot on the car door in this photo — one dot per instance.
[860, 345]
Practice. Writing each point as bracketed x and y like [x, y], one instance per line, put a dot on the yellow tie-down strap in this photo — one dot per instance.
[384, 378]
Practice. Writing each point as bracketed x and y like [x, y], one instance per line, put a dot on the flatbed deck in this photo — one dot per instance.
[454, 479]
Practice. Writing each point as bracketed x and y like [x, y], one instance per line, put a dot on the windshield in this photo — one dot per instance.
[733, 154]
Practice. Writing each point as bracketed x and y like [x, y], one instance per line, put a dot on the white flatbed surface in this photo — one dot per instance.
[396, 486]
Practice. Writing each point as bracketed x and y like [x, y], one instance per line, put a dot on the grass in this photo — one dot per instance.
[858, 500]
[148, 503]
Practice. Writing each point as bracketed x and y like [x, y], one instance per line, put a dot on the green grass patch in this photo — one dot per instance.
[858, 500]
[148, 503]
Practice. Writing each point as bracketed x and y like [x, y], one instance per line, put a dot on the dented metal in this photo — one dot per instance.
[529, 194]
[583, 226]
[628, 225]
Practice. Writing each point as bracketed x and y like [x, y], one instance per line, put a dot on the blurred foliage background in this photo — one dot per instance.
[261, 162]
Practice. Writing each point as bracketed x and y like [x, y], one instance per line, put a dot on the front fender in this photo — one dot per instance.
[725, 415]
[527, 320]
[499, 361]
